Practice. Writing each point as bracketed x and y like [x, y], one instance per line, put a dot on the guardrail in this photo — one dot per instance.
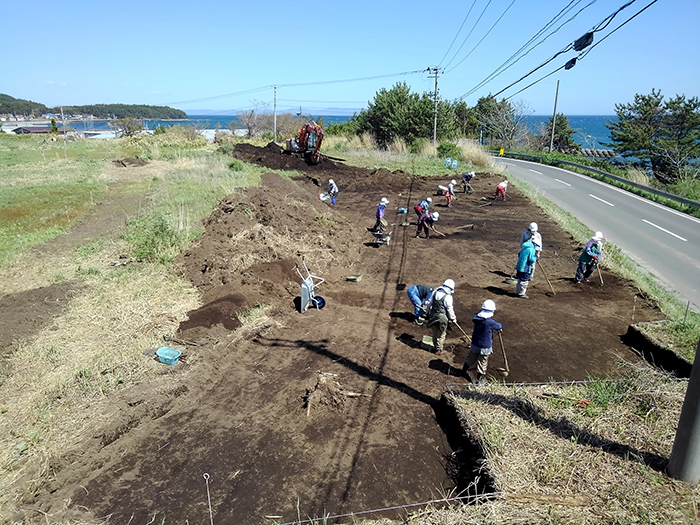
[620, 180]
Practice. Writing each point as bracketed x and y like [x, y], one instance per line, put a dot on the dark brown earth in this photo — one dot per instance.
[237, 408]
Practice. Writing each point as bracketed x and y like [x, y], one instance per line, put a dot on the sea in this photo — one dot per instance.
[591, 131]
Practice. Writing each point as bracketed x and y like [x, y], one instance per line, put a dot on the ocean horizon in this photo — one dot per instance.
[590, 130]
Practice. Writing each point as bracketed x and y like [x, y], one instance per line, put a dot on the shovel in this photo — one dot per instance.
[438, 232]
[505, 371]
[599, 274]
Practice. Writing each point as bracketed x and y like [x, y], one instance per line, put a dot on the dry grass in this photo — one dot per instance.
[59, 379]
[476, 155]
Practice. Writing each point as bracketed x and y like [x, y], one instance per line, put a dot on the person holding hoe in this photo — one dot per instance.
[589, 258]
[531, 234]
[466, 179]
[501, 190]
[482, 342]
[426, 221]
[523, 269]
[450, 192]
[379, 225]
[441, 311]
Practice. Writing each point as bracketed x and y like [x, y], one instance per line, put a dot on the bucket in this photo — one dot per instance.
[167, 355]
[427, 343]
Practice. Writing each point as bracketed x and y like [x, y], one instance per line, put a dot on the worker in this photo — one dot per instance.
[532, 234]
[450, 192]
[501, 190]
[441, 311]
[422, 206]
[420, 296]
[482, 342]
[379, 225]
[332, 190]
[523, 269]
[466, 179]
[589, 258]
[426, 222]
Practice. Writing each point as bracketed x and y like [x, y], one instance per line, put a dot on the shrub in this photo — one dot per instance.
[449, 149]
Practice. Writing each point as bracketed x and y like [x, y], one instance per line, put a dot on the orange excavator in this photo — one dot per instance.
[307, 142]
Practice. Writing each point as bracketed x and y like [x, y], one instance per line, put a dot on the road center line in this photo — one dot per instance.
[538, 172]
[565, 183]
[664, 230]
[601, 200]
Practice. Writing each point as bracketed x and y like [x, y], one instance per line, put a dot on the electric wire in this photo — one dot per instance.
[470, 34]
[458, 32]
[570, 46]
[588, 50]
[618, 27]
[483, 37]
[301, 84]
[512, 60]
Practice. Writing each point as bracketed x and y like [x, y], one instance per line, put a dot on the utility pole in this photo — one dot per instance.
[554, 118]
[684, 463]
[63, 123]
[274, 113]
[435, 71]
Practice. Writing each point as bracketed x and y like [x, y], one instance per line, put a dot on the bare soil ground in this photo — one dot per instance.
[332, 410]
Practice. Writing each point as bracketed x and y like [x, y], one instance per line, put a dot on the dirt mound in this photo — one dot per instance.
[348, 178]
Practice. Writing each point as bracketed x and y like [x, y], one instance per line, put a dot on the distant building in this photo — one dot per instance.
[35, 130]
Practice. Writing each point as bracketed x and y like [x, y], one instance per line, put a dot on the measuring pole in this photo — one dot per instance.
[434, 71]
[684, 463]
[274, 113]
[554, 118]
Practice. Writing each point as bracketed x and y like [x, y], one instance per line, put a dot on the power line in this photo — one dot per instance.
[578, 45]
[458, 32]
[470, 33]
[582, 55]
[483, 37]
[513, 60]
[263, 88]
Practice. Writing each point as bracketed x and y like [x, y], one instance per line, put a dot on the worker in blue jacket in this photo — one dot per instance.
[379, 225]
[420, 296]
[523, 269]
[589, 257]
[482, 342]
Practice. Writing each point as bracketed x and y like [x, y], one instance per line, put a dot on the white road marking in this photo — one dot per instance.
[626, 193]
[565, 183]
[664, 230]
[601, 200]
[538, 172]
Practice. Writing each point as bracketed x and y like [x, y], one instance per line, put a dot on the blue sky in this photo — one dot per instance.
[226, 56]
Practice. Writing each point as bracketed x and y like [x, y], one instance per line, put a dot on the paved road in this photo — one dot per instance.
[663, 241]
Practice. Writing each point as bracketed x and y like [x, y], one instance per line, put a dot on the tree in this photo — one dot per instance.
[128, 127]
[563, 135]
[253, 120]
[664, 136]
[399, 113]
[503, 122]
[54, 127]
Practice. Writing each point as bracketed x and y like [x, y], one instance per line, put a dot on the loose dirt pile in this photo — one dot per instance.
[239, 406]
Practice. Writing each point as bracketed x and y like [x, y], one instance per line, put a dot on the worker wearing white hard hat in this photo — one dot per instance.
[423, 206]
[332, 190]
[426, 222]
[589, 258]
[381, 222]
[450, 193]
[441, 311]
[482, 342]
[532, 234]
